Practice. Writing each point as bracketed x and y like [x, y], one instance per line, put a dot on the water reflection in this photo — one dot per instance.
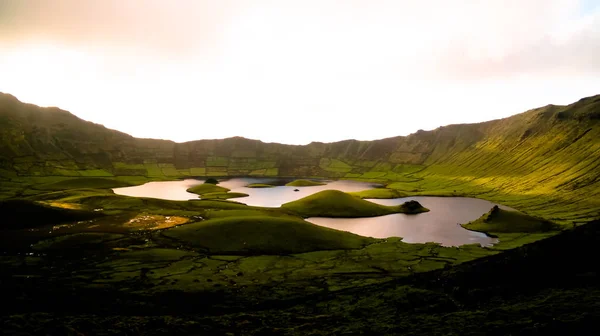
[441, 224]
[169, 190]
[278, 195]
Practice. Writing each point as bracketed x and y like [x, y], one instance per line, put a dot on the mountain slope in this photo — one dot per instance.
[545, 161]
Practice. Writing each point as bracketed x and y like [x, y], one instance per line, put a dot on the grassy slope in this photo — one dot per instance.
[264, 235]
[334, 203]
[545, 161]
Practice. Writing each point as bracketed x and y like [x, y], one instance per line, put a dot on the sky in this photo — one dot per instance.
[297, 71]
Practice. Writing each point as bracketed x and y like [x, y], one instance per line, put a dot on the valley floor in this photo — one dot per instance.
[132, 269]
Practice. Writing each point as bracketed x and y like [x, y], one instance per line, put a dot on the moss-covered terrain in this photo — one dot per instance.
[123, 265]
[335, 203]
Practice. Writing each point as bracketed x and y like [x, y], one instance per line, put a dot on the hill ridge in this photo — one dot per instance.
[536, 160]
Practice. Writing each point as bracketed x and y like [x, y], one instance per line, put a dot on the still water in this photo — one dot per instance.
[169, 190]
[278, 195]
[440, 225]
[265, 197]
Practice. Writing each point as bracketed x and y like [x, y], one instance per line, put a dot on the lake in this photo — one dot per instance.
[265, 197]
[440, 225]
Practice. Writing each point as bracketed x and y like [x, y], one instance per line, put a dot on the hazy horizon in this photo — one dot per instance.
[297, 71]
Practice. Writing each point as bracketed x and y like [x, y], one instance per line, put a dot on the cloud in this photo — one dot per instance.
[159, 27]
[358, 38]
[343, 69]
[567, 47]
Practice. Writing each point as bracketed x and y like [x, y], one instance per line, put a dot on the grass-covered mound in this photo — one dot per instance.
[209, 191]
[411, 207]
[498, 221]
[334, 203]
[304, 183]
[379, 193]
[88, 182]
[264, 235]
[19, 214]
[211, 180]
[223, 195]
[207, 188]
[259, 185]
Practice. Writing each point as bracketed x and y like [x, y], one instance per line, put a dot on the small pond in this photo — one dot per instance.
[440, 225]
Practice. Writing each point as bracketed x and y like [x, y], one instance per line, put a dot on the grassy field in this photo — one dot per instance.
[159, 254]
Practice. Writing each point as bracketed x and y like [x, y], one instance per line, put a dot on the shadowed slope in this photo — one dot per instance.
[19, 214]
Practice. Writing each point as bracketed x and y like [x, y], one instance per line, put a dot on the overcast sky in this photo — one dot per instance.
[297, 71]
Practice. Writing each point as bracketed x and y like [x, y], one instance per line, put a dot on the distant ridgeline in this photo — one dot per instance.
[545, 150]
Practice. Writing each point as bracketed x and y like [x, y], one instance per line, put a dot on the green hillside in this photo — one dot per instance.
[545, 161]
